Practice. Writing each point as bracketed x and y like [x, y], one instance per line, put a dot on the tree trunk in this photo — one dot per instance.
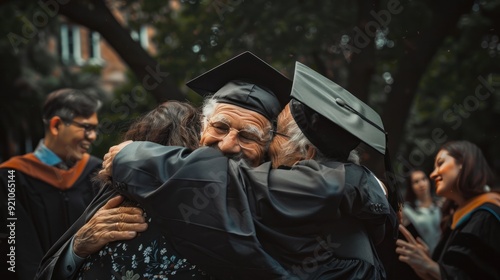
[419, 52]
[362, 60]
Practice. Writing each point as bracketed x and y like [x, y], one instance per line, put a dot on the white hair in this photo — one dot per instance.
[207, 110]
[210, 105]
[299, 142]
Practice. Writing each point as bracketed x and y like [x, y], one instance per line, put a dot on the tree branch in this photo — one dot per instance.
[97, 16]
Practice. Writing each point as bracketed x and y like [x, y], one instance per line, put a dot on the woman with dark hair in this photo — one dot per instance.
[171, 124]
[421, 211]
[470, 247]
[148, 255]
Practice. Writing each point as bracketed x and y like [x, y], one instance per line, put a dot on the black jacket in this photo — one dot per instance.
[319, 221]
[314, 221]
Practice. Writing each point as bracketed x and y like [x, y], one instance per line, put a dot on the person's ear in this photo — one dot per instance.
[54, 124]
[311, 152]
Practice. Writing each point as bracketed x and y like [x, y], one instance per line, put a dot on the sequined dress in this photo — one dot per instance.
[147, 256]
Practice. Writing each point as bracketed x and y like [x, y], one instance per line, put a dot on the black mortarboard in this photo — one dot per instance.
[343, 119]
[246, 81]
[335, 121]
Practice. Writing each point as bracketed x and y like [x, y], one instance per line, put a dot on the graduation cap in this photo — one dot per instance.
[335, 121]
[248, 82]
[329, 115]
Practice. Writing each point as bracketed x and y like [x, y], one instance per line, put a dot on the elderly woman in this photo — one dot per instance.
[470, 248]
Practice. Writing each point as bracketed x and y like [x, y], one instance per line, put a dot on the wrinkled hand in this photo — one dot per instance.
[110, 223]
[416, 254]
[107, 164]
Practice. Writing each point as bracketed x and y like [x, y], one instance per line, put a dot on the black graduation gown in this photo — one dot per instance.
[472, 250]
[42, 211]
[50, 263]
[303, 233]
[100, 266]
[319, 221]
[267, 267]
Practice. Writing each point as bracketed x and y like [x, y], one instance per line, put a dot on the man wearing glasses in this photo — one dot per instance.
[51, 187]
[315, 212]
[312, 210]
[296, 216]
[239, 117]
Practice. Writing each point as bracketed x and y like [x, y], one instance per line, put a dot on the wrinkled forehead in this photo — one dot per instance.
[239, 118]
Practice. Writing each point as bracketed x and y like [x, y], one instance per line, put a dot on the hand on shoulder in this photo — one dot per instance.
[107, 164]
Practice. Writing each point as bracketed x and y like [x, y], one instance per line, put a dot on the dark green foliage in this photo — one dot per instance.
[193, 36]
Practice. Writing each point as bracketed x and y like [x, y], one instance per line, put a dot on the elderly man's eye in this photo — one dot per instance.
[220, 127]
[248, 137]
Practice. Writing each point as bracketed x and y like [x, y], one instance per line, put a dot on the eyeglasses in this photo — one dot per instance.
[87, 127]
[246, 139]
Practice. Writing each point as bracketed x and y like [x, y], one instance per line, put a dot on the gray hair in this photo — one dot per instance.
[207, 111]
[299, 142]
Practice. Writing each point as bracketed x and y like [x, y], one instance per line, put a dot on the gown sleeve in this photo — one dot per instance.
[473, 251]
[51, 264]
[196, 205]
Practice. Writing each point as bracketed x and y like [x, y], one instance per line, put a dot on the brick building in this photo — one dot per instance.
[77, 46]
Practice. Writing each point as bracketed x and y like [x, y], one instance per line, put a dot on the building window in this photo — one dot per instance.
[69, 45]
[94, 47]
[141, 36]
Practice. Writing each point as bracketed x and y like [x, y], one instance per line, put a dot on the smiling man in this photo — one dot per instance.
[244, 96]
[51, 187]
[311, 209]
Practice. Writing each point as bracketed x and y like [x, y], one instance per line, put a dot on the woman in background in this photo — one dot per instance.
[470, 247]
[421, 212]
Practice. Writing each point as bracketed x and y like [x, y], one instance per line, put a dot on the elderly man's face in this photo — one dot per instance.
[238, 133]
[283, 151]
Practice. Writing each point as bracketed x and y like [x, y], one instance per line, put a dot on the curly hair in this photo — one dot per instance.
[172, 123]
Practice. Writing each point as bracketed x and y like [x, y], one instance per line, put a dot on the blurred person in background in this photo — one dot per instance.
[52, 186]
[421, 211]
[247, 96]
[470, 247]
[421, 215]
